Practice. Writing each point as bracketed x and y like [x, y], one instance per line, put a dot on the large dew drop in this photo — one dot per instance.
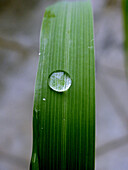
[59, 81]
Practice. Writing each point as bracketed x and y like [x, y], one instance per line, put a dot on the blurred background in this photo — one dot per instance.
[20, 22]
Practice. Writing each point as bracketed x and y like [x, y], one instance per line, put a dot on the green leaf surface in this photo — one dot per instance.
[64, 122]
[125, 19]
[125, 16]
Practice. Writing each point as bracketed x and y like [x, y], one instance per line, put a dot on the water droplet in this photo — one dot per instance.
[59, 81]
[39, 53]
[90, 47]
[44, 99]
[34, 158]
[92, 40]
[36, 113]
[36, 110]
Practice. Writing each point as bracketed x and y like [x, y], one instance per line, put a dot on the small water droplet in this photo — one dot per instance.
[34, 158]
[39, 53]
[36, 113]
[90, 47]
[44, 99]
[42, 128]
[60, 81]
[36, 110]
[92, 40]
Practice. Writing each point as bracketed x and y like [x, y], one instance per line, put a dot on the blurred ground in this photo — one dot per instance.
[20, 23]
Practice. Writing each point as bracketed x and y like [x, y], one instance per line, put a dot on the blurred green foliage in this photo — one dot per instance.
[125, 17]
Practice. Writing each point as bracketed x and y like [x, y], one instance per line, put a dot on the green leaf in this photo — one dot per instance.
[125, 19]
[64, 100]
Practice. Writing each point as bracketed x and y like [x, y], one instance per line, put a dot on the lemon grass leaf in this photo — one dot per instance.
[64, 100]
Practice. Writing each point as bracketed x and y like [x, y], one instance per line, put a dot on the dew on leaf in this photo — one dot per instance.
[59, 81]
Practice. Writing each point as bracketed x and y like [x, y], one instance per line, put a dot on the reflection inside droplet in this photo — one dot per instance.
[60, 81]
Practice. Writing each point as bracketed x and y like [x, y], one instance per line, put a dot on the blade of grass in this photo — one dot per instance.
[64, 123]
[125, 18]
